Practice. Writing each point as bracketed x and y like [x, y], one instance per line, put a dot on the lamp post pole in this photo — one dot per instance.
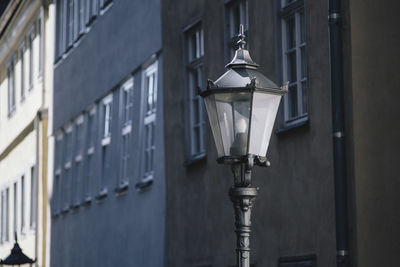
[242, 195]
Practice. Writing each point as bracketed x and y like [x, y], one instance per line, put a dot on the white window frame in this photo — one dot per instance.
[126, 106]
[106, 113]
[107, 118]
[301, 93]
[149, 119]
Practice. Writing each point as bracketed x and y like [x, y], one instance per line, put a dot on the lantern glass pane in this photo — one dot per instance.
[213, 118]
[265, 107]
[233, 110]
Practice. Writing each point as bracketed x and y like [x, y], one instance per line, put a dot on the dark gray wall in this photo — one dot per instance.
[123, 229]
[294, 211]
[373, 113]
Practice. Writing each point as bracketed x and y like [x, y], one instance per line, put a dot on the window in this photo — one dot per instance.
[11, 87]
[33, 200]
[22, 66]
[79, 15]
[105, 142]
[104, 3]
[15, 229]
[294, 62]
[40, 49]
[60, 37]
[90, 138]
[5, 215]
[57, 191]
[82, 7]
[150, 98]
[66, 190]
[22, 203]
[77, 170]
[70, 23]
[236, 13]
[30, 59]
[195, 117]
[126, 96]
[91, 11]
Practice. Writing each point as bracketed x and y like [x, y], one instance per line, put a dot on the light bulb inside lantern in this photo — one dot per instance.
[241, 126]
[239, 145]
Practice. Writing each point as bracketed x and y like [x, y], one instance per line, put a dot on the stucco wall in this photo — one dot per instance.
[125, 229]
[294, 211]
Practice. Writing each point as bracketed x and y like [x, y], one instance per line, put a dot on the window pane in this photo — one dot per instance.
[235, 20]
[22, 73]
[293, 108]
[290, 33]
[33, 198]
[292, 67]
[104, 164]
[302, 27]
[303, 62]
[192, 47]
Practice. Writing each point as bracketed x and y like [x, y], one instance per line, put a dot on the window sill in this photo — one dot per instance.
[102, 194]
[195, 159]
[105, 7]
[65, 211]
[295, 124]
[75, 206]
[87, 201]
[144, 184]
[122, 188]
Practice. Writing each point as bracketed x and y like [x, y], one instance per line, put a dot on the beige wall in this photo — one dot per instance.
[23, 136]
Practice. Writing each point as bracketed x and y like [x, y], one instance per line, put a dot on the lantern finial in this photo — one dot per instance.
[241, 36]
[242, 57]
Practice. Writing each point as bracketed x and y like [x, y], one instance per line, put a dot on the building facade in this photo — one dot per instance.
[108, 179]
[134, 181]
[298, 216]
[24, 100]
[293, 215]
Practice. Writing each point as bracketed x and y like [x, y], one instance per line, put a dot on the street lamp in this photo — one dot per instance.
[241, 106]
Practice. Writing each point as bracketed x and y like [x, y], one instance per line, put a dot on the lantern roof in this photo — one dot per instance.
[242, 70]
[17, 257]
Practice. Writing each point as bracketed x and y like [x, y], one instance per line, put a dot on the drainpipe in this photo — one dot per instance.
[339, 161]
